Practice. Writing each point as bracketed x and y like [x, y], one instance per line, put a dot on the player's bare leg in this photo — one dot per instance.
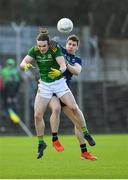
[40, 106]
[84, 152]
[69, 100]
[79, 121]
[79, 134]
[54, 121]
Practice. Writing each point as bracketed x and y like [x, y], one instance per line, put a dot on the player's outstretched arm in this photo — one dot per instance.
[25, 64]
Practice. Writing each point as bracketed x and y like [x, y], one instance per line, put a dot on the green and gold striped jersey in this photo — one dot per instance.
[46, 61]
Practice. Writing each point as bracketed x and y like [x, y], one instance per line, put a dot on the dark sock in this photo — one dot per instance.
[83, 148]
[54, 137]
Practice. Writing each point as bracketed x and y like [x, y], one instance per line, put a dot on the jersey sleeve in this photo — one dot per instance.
[31, 52]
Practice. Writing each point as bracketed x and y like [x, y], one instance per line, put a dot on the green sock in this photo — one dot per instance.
[84, 130]
[40, 140]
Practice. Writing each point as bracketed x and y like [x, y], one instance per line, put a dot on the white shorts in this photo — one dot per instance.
[59, 87]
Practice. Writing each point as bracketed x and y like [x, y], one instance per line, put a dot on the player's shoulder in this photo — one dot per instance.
[34, 49]
[63, 49]
[54, 49]
[78, 59]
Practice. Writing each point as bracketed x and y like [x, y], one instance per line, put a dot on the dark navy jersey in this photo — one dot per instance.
[72, 59]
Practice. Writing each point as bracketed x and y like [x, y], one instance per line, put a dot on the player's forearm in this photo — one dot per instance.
[75, 70]
[62, 67]
[22, 65]
[25, 61]
[62, 64]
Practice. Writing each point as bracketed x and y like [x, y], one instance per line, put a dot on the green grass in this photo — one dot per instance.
[18, 159]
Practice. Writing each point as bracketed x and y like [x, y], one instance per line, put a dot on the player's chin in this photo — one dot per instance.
[70, 52]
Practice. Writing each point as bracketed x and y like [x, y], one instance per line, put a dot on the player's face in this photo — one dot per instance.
[42, 46]
[71, 46]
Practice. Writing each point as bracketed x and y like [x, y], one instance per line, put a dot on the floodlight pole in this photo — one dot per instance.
[104, 88]
[109, 25]
[124, 49]
[124, 26]
[18, 29]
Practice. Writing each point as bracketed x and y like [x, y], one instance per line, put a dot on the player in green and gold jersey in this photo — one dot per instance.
[51, 64]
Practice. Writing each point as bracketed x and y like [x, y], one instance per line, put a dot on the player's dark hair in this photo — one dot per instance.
[43, 35]
[74, 38]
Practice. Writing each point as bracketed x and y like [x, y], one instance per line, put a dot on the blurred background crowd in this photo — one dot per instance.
[102, 88]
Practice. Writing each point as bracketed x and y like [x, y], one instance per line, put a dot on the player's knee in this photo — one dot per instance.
[74, 108]
[77, 126]
[38, 117]
[56, 110]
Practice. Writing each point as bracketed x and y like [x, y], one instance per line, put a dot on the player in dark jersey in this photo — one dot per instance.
[74, 67]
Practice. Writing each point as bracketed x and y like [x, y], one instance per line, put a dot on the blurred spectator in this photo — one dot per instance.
[1, 83]
[29, 88]
[11, 80]
[10, 70]
[1, 89]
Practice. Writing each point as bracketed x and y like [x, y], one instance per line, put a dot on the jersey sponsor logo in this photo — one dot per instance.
[49, 56]
[44, 58]
[73, 60]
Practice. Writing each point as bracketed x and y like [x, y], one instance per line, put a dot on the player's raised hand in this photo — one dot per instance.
[27, 66]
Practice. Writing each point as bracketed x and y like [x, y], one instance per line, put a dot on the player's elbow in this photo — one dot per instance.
[21, 66]
[77, 72]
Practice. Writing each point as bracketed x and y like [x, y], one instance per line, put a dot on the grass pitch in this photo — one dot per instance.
[18, 159]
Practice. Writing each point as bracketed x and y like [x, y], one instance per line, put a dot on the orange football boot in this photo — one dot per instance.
[58, 146]
[88, 155]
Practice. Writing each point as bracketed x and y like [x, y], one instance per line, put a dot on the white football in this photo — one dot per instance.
[65, 25]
